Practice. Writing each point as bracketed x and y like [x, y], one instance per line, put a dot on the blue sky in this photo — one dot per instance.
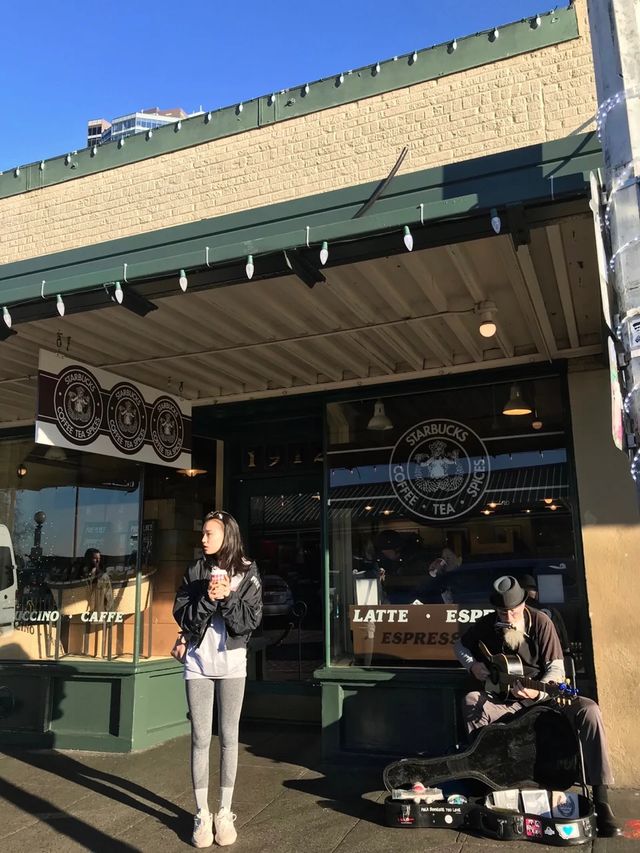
[64, 63]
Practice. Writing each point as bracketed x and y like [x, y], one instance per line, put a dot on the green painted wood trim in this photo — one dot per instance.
[108, 669]
[432, 63]
[428, 679]
[543, 172]
[51, 740]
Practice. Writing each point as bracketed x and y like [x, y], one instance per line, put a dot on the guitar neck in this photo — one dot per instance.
[529, 683]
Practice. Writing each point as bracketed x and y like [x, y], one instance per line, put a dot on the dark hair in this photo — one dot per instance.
[91, 552]
[231, 556]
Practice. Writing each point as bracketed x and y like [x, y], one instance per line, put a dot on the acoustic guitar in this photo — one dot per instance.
[505, 670]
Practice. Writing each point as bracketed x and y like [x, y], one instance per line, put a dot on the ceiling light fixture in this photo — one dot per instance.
[379, 420]
[516, 405]
[536, 423]
[21, 470]
[486, 311]
[191, 472]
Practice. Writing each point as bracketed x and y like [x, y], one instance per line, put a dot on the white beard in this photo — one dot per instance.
[513, 637]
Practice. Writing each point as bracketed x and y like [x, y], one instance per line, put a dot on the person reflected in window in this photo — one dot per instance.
[90, 567]
[530, 586]
[388, 546]
[436, 588]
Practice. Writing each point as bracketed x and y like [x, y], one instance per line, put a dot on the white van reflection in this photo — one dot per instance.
[8, 581]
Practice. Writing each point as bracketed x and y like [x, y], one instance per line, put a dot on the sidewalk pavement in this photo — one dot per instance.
[285, 799]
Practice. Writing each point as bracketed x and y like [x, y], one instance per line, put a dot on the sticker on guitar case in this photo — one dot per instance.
[405, 817]
[568, 830]
[532, 828]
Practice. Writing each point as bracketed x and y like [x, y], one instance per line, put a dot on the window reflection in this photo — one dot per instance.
[415, 544]
[59, 508]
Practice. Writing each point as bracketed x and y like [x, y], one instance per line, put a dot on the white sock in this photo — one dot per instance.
[226, 795]
[202, 795]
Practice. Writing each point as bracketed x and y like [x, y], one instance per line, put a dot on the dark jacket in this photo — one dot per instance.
[241, 610]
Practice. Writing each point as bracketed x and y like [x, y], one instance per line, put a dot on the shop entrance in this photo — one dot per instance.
[280, 520]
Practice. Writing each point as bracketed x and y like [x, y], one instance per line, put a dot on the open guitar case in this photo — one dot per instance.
[534, 750]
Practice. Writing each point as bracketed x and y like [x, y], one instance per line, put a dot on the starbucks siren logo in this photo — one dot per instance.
[126, 418]
[78, 405]
[439, 469]
[167, 433]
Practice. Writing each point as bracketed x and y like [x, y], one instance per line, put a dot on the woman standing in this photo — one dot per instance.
[218, 605]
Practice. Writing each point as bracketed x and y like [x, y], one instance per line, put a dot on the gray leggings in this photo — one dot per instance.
[229, 693]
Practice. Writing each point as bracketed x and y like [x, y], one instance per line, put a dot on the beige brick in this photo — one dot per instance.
[524, 100]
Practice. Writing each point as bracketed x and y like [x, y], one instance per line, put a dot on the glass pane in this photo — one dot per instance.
[432, 496]
[68, 523]
[284, 540]
[174, 505]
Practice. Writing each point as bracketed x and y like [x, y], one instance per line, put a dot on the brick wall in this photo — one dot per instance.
[536, 97]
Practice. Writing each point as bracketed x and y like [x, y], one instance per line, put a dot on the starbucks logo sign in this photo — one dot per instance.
[167, 434]
[78, 405]
[127, 418]
[439, 469]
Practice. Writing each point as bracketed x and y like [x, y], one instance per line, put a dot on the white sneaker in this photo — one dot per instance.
[202, 829]
[225, 830]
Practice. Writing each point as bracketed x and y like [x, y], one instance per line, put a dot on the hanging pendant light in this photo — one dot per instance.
[379, 420]
[516, 405]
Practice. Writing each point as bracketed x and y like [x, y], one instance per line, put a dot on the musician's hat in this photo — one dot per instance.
[507, 593]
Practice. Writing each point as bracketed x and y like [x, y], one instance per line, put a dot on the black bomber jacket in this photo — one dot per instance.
[241, 609]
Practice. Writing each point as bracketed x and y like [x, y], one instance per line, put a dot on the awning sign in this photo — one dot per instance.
[87, 408]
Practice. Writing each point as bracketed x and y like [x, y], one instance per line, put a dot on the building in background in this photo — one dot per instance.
[100, 130]
[96, 128]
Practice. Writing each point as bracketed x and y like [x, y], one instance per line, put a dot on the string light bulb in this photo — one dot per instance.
[324, 253]
[496, 222]
[249, 268]
[408, 238]
[486, 311]
[118, 293]
[183, 281]
[6, 316]
[60, 305]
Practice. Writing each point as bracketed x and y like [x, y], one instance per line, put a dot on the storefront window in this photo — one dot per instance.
[175, 502]
[69, 538]
[434, 495]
